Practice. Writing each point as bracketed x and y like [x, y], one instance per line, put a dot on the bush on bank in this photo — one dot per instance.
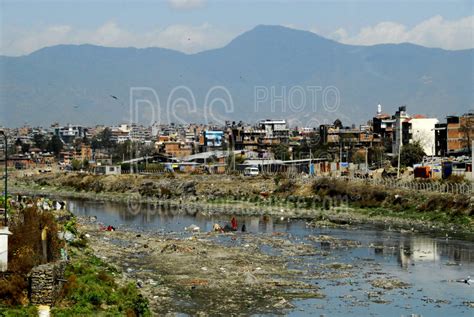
[25, 251]
[91, 290]
[370, 196]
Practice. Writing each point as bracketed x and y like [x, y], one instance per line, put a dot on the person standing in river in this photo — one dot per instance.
[233, 224]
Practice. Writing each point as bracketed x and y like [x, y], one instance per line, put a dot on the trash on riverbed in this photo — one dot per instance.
[389, 283]
[108, 228]
[467, 281]
[250, 278]
[217, 228]
[283, 303]
[66, 235]
[469, 304]
[170, 248]
[192, 228]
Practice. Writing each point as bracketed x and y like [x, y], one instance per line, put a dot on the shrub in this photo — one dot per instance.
[91, 284]
[286, 186]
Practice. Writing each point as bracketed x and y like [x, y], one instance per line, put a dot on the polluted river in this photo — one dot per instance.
[281, 266]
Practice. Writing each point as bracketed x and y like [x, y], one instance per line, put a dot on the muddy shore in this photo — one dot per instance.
[206, 274]
[245, 197]
[195, 275]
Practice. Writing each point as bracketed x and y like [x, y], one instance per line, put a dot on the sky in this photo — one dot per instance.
[195, 25]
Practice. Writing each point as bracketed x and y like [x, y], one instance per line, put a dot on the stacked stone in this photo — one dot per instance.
[46, 283]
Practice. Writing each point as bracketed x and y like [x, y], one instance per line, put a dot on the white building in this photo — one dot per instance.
[421, 130]
[410, 129]
[274, 128]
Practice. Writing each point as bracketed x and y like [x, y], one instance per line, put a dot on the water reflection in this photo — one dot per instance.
[429, 264]
[407, 248]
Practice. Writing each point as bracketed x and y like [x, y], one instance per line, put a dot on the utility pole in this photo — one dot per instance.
[366, 159]
[399, 148]
[131, 120]
[4, 233]
[340, 149]
[6, 176]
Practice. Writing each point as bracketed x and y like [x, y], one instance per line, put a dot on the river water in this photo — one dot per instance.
[431, 265]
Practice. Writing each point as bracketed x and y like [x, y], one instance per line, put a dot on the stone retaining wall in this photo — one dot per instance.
[46, 282]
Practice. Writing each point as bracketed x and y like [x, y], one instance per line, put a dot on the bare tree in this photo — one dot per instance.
[467, 130]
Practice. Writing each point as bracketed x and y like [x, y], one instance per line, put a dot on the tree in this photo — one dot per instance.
[25, 147]
[338, 124]
[40, 141]
[234, 160]
[103, 140]
[359, 157]
[467, 131]
[410, 155]
[85, 140]
[76, 165]
[55, 145]
[122, 151]
[281, 152]
[19, 144]
[106, 138]
[377, 154]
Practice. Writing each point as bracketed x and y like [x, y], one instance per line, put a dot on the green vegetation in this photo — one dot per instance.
[281, 152]
[25, 251]
[20, 311]
[91, 290]
[373, 200]
[55, 145]
[411, 154]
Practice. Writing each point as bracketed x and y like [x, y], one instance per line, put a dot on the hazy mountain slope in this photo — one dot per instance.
[70, 83]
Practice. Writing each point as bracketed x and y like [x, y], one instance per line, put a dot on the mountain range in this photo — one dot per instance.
[267, 72]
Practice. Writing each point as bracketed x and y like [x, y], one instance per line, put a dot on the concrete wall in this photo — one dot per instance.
[4, 233]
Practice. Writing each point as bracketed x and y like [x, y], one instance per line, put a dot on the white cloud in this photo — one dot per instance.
[186, 4]
[182, 37]
[433, 32]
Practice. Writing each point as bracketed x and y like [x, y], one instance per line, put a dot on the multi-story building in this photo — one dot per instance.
[69, 133]
[400, 116]
[460, 133]
[276, 131]
[441, 139]
[383, 125]
[421, 130]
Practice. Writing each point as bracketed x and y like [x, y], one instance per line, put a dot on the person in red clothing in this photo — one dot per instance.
[233, 224]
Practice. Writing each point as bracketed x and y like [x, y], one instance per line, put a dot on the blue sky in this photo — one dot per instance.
[29, 25]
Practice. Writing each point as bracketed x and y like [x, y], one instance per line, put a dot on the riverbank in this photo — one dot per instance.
[195, 275]
[80, 284]
[308, 272]
[317, 200]
[287, 268]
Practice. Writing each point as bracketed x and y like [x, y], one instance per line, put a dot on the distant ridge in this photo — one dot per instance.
[73, 83]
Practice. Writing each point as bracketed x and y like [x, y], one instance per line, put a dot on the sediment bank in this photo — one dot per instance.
[313, 199]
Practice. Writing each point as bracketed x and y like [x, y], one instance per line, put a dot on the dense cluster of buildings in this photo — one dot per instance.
[378, 140]
[452, 138]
